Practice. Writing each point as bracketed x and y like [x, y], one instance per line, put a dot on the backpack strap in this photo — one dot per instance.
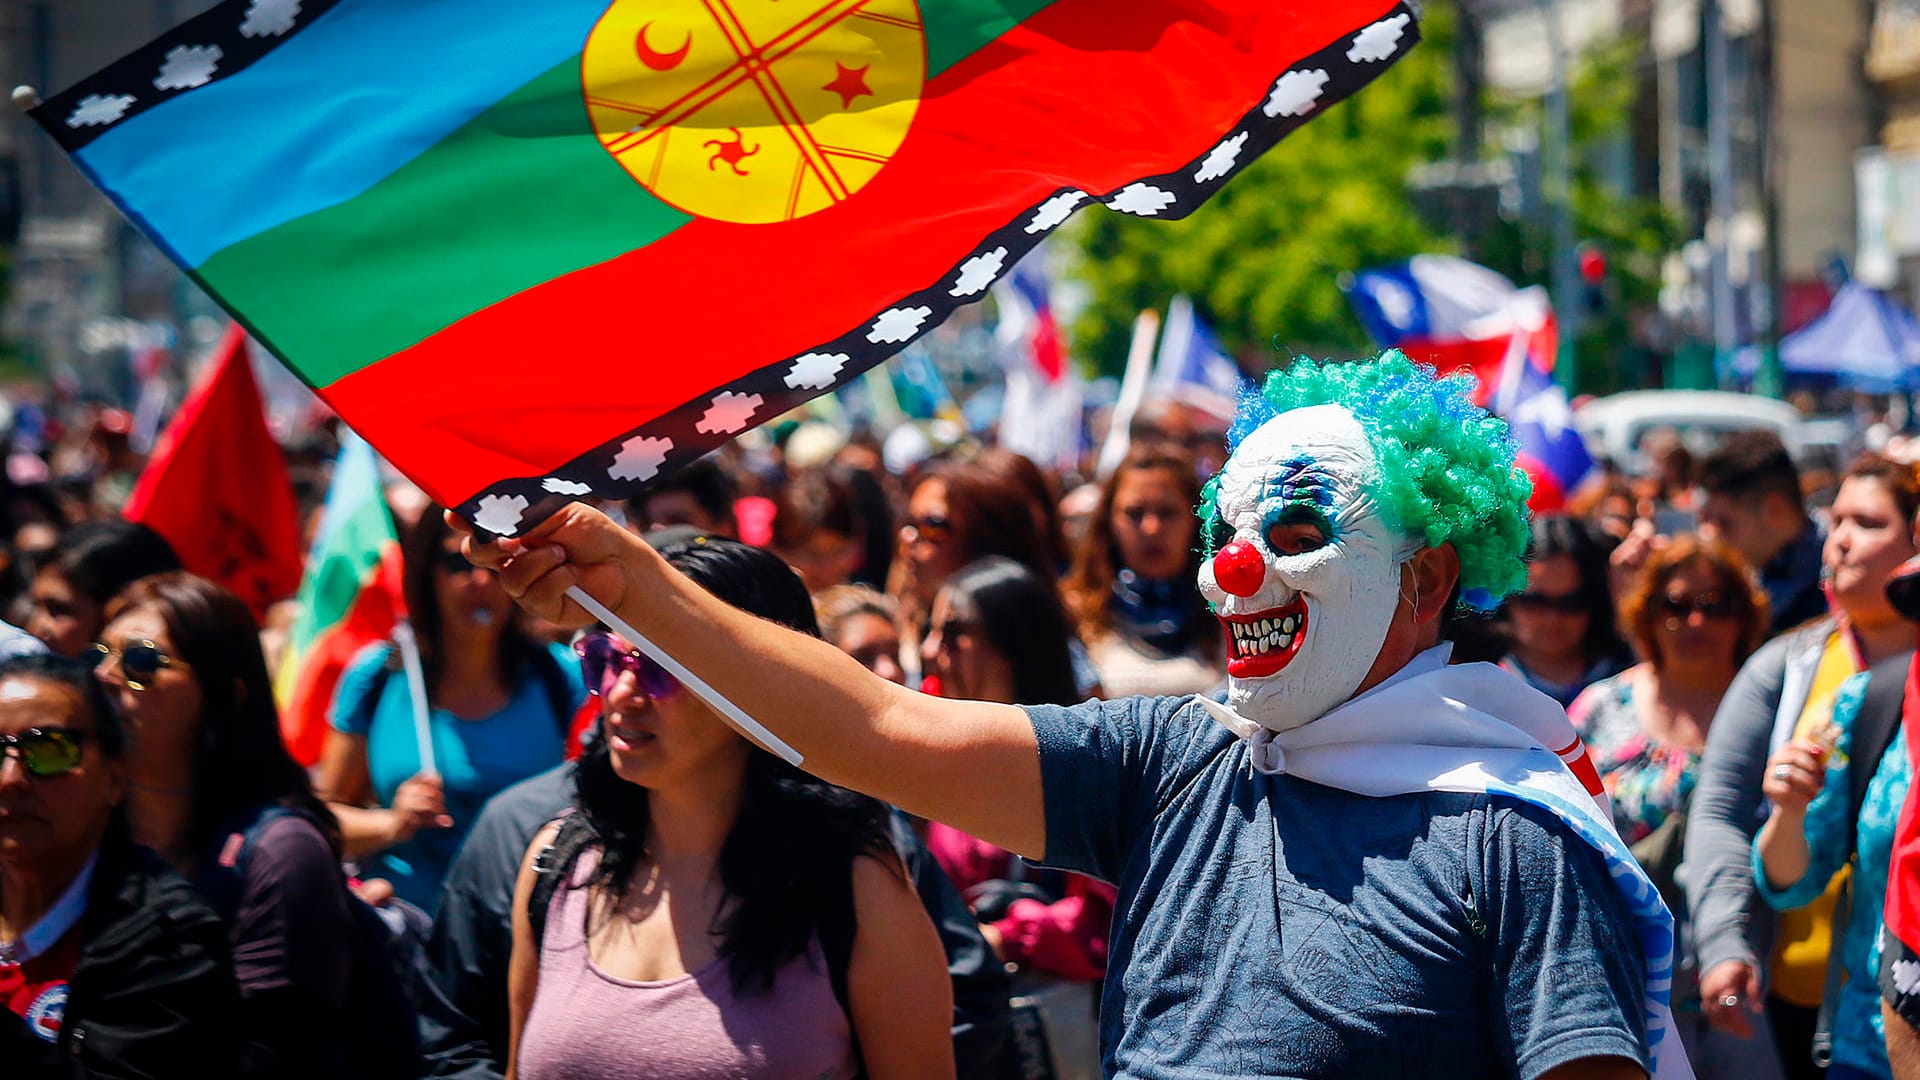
[1873, 728]
[222, 880]
[553, 866]
[1867, 742]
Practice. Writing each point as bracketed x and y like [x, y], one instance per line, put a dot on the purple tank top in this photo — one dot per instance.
[585, 1022]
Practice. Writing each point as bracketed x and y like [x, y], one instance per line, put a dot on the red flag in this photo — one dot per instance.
[217, 486]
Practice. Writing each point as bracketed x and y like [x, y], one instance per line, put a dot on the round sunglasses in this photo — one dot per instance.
[604, 657]
[139, 661]
[45, 751]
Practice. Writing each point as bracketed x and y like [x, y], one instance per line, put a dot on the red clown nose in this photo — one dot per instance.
[1239, 569]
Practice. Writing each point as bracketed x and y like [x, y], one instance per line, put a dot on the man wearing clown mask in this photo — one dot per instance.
[1365, 862]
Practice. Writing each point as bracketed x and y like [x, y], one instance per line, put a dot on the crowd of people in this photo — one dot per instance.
[584, 872]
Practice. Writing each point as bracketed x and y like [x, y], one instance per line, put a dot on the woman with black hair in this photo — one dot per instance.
[110, 965]
[215, 792]
[1563, 633]
[708, 909]
[92, 563]
[1000, 635]
[500, 705]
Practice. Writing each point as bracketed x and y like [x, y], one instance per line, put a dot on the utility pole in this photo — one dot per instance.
[1719, 180]
[1558, 181]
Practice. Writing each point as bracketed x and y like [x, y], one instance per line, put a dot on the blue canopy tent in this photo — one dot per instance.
[1863, 341]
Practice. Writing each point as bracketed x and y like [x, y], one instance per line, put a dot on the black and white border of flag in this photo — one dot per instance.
[216, 44]
[622, 467]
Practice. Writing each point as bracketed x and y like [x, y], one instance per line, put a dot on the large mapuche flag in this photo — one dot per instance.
[540, 250]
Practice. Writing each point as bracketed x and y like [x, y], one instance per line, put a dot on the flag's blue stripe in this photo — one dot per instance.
[349, 100]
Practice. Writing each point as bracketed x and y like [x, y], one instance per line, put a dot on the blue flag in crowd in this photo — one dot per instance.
[1191, 367]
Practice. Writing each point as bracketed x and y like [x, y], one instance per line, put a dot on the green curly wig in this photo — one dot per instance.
[1446, 469]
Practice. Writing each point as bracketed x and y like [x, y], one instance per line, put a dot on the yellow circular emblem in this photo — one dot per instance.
[754, 110]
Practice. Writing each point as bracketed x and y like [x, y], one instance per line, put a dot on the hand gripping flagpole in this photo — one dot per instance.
[734, 714]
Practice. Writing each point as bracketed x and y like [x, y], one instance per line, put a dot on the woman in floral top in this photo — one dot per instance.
[1694, 614]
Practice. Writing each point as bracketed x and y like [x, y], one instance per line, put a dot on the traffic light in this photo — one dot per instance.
[1593, 280]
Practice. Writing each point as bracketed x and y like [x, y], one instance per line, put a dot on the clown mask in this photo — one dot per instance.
[1310, 580]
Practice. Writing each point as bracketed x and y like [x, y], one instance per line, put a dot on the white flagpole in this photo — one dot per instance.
[735, 715]
[416, 674]
[1133, 389]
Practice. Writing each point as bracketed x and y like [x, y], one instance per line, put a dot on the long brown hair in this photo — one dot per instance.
[241, 762]
[1088, 586]
[992, 514]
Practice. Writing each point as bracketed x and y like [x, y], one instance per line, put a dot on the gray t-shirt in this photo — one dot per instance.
[1270, 926]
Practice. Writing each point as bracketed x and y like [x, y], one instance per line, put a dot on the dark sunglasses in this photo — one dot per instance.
[1709, 605]
[140, 661]
[603, 658]
[1567, 603]
[931, 528]
[45, 751]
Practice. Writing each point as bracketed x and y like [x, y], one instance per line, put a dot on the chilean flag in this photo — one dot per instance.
[1455, 314]
[1551, 449]
[1041, 413]
[1027, 326]
[1446, 311]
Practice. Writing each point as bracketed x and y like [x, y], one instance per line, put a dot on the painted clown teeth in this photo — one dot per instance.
[1264, 642]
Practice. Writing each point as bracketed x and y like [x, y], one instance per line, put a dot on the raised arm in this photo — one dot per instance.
[973, 765]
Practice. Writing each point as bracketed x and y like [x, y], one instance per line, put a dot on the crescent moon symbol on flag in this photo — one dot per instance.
[657, 60]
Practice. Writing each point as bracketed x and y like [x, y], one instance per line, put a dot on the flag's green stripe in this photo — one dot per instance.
[956, 29]
[334, 581]
[522, 194]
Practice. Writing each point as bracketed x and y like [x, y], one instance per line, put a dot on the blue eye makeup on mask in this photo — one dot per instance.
[1300, 493]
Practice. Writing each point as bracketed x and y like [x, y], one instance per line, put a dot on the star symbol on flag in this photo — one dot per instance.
[979, 272]
[500, 514]
[270, 18]
[816, 371]
[97, 109]
[729, 413]
[1144, 200]
[565, 487]
[1296, 93]
[898, 324]
[188, 66]
[849, 83]
[1377, 42]
[640, 458]
[1220, 160]
[1054, 211]
[1546, 410]
[1906, 976]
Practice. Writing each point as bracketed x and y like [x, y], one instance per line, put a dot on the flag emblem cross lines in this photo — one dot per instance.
[754, 111]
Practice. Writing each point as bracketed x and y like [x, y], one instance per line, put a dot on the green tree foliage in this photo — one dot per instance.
[1262, 258]
[1634, 233]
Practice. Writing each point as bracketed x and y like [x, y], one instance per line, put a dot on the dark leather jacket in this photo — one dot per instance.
[153, 993]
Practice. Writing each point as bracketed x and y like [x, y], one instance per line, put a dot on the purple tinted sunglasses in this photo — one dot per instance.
[603, 657]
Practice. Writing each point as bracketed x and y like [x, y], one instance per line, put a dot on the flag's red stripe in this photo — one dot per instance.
[1903, 888]
[304, 722]
[528, 384]
[1482, 358]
